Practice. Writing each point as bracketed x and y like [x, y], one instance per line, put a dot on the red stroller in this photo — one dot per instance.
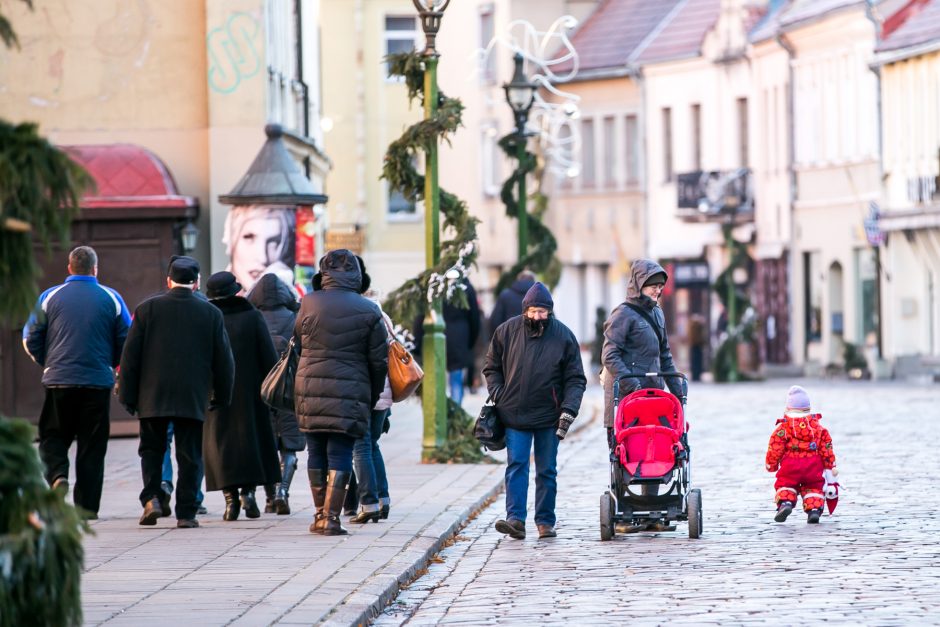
[650, 449]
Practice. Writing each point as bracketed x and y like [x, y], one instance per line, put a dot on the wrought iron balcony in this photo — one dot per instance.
[715, 196]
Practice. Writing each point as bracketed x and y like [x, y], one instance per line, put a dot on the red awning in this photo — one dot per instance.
[130, 177]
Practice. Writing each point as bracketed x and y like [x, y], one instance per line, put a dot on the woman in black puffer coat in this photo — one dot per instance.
[277, 303]
[340, 377]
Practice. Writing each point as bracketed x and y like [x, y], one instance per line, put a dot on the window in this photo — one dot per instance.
[610, 153]
[398, 205]
[667, 144]
[633, 150]
[742, 132]
[696, 137]
[487, 32]
[588, 175]
[401, 35]
[489, 161]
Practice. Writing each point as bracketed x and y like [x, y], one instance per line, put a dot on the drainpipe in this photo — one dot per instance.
[644, 169]
[299, 37]
[870, 14]
[793, 266]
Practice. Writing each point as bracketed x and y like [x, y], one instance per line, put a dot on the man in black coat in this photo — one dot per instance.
[176, 360]
[534, 375]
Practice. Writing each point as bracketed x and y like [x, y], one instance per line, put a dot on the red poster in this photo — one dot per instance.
[306, 242]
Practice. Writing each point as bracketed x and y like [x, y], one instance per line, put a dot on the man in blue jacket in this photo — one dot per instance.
[76, 333]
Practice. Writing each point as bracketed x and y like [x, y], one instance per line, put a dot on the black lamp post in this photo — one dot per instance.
[520, 94]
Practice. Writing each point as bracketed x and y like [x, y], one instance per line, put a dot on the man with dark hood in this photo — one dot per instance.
[632, 347]
[534, 376]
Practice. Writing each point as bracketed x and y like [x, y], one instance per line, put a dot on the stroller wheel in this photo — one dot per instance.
[694, 505]
[607, 517]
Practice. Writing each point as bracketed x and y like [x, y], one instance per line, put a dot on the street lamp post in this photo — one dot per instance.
[520, 94]
[434, 351]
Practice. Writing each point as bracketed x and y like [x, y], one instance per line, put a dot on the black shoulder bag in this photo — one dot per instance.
[277, 389]
[489, 429]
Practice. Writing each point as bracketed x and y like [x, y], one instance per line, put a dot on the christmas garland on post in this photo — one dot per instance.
[540, 257]
[408, 302]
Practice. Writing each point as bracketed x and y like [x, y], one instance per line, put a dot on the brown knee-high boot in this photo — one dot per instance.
[318, 489]
[337, 483]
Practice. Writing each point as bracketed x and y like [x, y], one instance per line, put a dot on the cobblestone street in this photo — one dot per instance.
[876, 561]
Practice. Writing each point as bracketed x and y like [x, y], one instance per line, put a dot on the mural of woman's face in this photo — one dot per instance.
[256, 248]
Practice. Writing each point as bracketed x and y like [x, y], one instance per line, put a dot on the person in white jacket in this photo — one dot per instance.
[372, 481]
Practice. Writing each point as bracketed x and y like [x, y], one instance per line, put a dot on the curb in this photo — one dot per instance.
[371, 599]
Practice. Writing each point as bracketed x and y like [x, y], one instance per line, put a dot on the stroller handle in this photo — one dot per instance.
[675, 373]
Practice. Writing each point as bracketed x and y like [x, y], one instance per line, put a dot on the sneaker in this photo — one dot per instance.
[512, 528]
[187, 523]
[812, 516]
[547, 531]
[783, 510]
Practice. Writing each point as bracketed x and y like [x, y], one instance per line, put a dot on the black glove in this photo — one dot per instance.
[386, 425]
[564, 423]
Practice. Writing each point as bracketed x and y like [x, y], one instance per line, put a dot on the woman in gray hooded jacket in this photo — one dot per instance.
[631, 346]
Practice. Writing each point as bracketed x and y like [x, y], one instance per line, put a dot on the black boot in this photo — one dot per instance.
[232, 505]
[317, 480]
[249, 504]
[269, 493]
[783, 510]
[337, 483]
[351, 503]
[288, 466]
[812, 516]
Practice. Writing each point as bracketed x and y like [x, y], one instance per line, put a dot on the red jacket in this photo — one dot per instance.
[799, 436]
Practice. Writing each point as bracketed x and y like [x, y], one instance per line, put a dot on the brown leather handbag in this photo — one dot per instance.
[404, 373]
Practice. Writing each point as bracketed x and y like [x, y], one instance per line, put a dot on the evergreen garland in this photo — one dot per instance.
[41, 552]
[540, 257]
[407, 304]
[40, 189]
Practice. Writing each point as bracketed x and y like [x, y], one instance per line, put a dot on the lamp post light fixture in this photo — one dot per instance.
[520, 94]
[434, 351]
[189, 235]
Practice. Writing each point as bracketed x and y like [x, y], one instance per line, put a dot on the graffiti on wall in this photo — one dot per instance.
[233, 52]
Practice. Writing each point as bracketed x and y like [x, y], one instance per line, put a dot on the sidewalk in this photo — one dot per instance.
[272, 570]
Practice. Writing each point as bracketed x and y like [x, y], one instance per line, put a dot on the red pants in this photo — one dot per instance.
[803, 476]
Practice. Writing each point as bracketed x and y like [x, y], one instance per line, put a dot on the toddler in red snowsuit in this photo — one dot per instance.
[800, 450]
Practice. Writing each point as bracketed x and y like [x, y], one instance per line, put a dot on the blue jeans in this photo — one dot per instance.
[370, 467]
[329, 451]
[455, 383]
[168, 466]
[518, 448]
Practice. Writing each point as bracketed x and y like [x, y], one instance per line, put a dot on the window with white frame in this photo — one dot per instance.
[287, 92]
[588, 172]
[401, 35]
[633, 149]
[489, 160]
[610, 151]
[487, 32]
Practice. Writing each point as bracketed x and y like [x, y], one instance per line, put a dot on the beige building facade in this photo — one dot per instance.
[192, 82]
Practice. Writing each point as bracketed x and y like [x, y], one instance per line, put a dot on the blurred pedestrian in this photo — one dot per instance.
[238, 440]
[698, 338]
[76, 333]
[509, 302]
[535, 377]
[340, 377]
[278, 305]
[176, 361]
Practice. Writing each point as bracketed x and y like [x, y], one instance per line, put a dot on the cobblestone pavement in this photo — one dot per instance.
[875, 562]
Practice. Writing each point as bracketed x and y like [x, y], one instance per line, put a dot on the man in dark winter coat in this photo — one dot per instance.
[76, 334]
[631, 346]
[340, 377]
[238, 440]
[176, 360]
[509, 301]
[276, 302]
[534, 375]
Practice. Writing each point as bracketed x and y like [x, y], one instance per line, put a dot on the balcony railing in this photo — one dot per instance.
[715, 196]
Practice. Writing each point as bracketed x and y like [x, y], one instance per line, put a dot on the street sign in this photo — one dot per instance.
[873, 232]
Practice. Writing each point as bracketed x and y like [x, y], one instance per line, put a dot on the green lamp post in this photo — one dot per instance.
[434, 352]
[520, 94]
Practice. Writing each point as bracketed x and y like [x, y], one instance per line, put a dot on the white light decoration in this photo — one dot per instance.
[554, 124]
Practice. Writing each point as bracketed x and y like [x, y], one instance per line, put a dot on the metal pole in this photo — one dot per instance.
[732, 302]
[523, 211]
[434, 351]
